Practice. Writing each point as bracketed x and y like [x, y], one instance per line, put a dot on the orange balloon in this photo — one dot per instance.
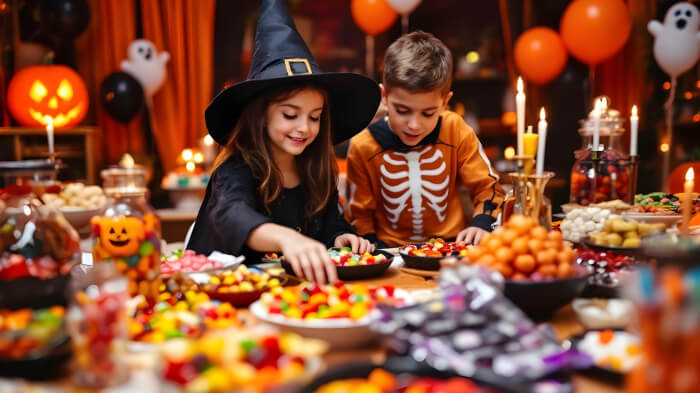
[540, 55]
[594, 30]
[373, 16]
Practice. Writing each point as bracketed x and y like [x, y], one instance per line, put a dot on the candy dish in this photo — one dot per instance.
[342, 333]
[427, 256]
[347, 272]
[667, 219]
[48, 365]
[604, 313]
[614, 353]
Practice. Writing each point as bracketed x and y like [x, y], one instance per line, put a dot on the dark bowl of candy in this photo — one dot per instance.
[608, 268]
[427, 256]
[540, 299]
[353, 266]
[33, 343]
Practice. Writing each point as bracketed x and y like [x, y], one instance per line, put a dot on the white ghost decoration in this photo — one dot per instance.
[147, 65]
[677, 40]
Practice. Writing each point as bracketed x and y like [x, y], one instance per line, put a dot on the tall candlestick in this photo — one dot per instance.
[49, 134]
[542, 132]
[520, 114]
[688, 188]
[634, 125]
[596, 124]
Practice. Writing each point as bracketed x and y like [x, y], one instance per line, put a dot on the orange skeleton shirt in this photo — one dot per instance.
[404, 194]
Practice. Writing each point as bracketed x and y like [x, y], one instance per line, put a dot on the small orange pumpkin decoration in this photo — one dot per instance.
[41, 91]
[120, 236]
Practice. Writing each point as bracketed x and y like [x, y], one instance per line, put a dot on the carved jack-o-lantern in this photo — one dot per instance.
[38, 92]
[120, 236]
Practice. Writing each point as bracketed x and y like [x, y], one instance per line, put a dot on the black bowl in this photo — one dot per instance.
[32, 292]
[51, 365]
[418, 262]
[629, 251]
[350, 273]
[540, 299]
[406, 365]
[600, 373]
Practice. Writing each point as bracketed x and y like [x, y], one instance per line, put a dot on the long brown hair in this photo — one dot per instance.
[316, 164]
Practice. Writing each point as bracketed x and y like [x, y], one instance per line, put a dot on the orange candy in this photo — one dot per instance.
[382, 379]
[504, 255]
[519, 246]
[525, 263]
[539, 233]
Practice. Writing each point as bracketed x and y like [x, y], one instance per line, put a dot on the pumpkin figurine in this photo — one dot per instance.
[134, 246]
[36, 93]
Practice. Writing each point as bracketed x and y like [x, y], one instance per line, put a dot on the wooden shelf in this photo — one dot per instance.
[23, 149]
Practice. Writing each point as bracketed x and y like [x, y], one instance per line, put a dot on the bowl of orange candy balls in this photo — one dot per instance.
[538, 265]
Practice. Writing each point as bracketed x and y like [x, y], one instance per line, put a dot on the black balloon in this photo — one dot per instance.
[64, 19]
[121, 96]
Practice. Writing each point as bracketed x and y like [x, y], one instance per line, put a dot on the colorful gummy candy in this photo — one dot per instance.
[224, 363]
[345, 257]
[25, 331]
[436, 248]
[313, 301]
[186, 261]
[242, 279]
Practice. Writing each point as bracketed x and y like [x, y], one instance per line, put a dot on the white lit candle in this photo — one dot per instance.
[596, 124]
[49, 133]
[688, 188]
[542, 138]
[634, 125]
[520, 115]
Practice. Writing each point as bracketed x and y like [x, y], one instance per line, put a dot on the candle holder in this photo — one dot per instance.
[528, 198]
[634, 172]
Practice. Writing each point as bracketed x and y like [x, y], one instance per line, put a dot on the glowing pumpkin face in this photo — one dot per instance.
[37, 93]
[121, 236]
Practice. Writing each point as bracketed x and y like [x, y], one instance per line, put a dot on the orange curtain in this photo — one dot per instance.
[186, 30]
[102, 48]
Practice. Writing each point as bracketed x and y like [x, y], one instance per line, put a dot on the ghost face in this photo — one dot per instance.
[142, 50]
[682, 17]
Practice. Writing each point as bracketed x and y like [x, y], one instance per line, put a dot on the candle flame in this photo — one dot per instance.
[127, 161]
[190, 166]
[187, 154]
[690, 175]
[208, 140]
[520, 85]
[634, 110]
[542, 114]
[509, 153]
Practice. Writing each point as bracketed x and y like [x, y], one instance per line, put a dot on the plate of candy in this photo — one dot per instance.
[240, 287]
[614, 353]
[246, 361]
[338, 314]
[33, 343]
[427, 256]
[349, 265]
[187, 261]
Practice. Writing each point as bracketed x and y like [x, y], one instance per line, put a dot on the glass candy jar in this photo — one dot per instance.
[38, 247]
[603, 175]
[128, 233]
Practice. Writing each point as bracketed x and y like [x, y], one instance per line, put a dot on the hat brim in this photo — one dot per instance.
[354, 100]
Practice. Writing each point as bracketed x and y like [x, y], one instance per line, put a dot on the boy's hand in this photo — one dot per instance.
[471, 235]
[356, 243]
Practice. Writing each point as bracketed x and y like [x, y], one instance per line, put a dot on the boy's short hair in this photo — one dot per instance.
[418, 62]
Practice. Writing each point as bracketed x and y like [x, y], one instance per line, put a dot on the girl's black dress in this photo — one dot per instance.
[231, 210]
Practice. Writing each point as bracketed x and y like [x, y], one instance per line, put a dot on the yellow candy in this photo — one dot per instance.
[357, 311]
[228, 280]
[294, 312]
[246, 286]
[181, 306]
[242, 374]
[218, 379]
[359, 289]
[135, 328]
[157, 337]
[191, 296]
[215, 280]
[317, 298]
[290, 297]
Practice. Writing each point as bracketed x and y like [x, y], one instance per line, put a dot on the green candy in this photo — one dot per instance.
[170, 334]
[248, 345]
[146, 248]
[162, 306]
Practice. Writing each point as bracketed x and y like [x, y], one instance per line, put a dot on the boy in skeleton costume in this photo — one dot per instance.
[406, 169]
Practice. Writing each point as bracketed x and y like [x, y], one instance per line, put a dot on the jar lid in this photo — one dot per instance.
[124, 181]
[610, 122]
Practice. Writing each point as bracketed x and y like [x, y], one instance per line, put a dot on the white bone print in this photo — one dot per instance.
[414, 186]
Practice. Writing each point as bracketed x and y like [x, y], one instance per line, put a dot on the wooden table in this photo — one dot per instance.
[565, 323]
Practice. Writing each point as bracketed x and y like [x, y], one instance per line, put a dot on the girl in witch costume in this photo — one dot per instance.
[274, 184]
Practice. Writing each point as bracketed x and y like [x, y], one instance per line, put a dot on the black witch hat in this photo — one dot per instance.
[281, 57]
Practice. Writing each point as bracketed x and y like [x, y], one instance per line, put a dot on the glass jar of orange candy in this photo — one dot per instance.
[128, 232]
[608, 178]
